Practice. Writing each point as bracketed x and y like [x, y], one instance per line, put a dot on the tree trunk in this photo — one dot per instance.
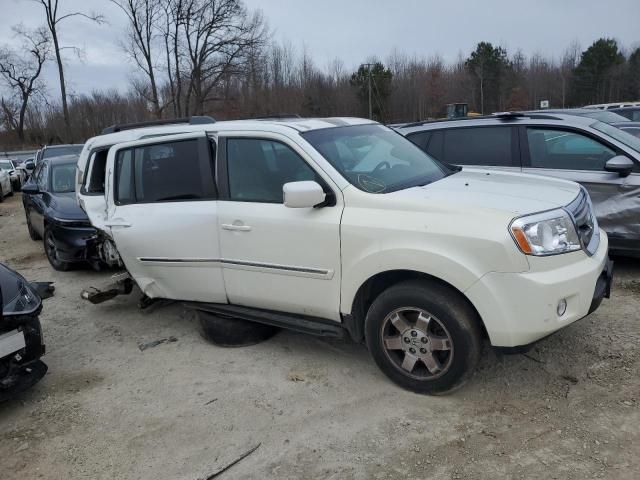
[63, 88]
[23, 110]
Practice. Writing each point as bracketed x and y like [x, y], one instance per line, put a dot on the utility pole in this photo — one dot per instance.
[369, 65]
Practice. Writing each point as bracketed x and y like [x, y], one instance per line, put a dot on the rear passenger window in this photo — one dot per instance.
[482, 146]
[160, 173]
[258, 169]
[566, 150]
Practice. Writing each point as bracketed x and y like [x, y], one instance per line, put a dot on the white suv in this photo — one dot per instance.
[341, 225]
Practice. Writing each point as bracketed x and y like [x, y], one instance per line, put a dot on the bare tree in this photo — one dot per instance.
[218, 34]
[20, 70]
[144, 18]
[54, 19]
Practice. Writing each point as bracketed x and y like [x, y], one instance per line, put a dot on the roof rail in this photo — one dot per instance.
[194, 120]
[506, 116]
[277, 116]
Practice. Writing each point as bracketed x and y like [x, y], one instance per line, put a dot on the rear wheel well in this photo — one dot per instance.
[375, 285]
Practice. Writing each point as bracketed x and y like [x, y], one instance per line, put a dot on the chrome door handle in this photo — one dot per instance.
[237, 228]
[117, 223]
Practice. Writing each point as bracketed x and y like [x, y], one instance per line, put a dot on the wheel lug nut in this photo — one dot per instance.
[412, 350]
[424, 340]
[407, 339]
[414, 333]
[423, 350]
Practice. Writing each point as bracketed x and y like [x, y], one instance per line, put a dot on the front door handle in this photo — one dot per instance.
[236, 228]
[118, 222]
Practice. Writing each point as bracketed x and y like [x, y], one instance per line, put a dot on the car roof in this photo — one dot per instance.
[501, 119]
[283, 125]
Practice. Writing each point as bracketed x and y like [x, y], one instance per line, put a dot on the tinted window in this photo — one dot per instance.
[421, 139]
[567, 150]
[159, 173]
[436, 143]
[490, 146]
[630, 113]
[259, 168]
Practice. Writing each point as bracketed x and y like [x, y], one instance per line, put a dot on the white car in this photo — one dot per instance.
[5, 184]
[342, 226]
[16, 175]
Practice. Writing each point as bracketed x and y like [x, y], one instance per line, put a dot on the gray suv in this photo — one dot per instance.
[603, 158]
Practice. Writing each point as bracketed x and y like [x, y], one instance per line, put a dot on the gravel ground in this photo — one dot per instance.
[569, 409]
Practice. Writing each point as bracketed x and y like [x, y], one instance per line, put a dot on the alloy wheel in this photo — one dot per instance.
[417, 343]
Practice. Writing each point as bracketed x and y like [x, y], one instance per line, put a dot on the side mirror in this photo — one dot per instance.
[620, 164]
[30, 188]
[305, 194]
[29, 165]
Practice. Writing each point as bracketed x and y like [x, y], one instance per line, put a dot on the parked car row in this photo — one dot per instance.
[421, 244]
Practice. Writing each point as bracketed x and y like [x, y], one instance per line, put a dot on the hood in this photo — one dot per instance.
[66, 207]
[512, 193]
[18, 298]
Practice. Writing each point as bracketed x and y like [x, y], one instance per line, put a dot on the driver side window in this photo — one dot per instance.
[566, 150]
[258, 169]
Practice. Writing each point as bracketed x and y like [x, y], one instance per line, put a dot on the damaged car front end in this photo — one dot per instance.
[21, 342]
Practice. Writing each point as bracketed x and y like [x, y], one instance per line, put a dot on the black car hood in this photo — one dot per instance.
[65, 206]
[18, 298]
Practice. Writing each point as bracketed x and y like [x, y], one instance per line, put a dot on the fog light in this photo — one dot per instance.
[562, 307]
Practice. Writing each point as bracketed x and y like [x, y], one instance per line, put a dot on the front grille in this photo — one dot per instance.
[581, 212]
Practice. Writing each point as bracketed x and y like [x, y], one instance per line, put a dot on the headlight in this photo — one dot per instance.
[546, 233]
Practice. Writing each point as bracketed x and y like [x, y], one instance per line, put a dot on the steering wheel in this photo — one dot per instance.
[382, 164]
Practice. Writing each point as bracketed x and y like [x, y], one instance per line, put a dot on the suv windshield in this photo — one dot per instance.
[374, 158]
[51, 152]
[63, 178]
[619, 135]
[6, 165]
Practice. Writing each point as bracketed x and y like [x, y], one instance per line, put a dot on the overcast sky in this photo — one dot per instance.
[353, 30]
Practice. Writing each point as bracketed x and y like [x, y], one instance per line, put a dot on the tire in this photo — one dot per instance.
[32, 233]
[50, 251]
[432, 321]
[1, 195]
[233, 332]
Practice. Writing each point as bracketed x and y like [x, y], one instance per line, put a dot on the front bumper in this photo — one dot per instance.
[73, 244]
[520, 308]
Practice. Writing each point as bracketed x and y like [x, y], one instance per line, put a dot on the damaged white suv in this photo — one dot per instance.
[342, 226]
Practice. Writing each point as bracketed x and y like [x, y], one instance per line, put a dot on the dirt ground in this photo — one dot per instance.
[569, 409]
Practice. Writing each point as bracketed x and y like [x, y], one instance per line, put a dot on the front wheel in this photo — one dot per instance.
[51, 250]
[424, 336]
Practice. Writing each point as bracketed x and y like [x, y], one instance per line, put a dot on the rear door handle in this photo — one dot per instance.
[237, 228]
[117, 223]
